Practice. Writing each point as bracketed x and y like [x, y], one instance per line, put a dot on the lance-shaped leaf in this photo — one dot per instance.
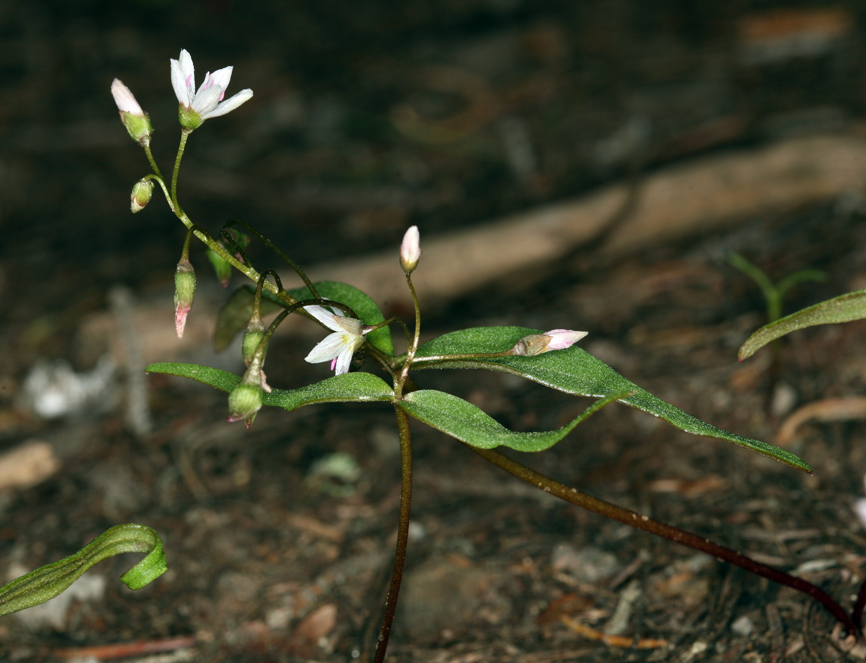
[48, 581]
[461, 419]
[350, 387]
[575, 371]
[235, 314]
[844, 308]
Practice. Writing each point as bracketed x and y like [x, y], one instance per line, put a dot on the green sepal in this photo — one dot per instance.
[462, 420]
[575, 371]
[844, 308]
[139, 128]
[350, 387]
[188, 118]
[48, 581]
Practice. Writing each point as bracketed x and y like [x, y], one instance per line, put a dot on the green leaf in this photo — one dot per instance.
[235, 314]
[360, 302]
[844, 308]
[222, 380]
[461, 419]
[350, 387]
[575, 371]
[46, 582]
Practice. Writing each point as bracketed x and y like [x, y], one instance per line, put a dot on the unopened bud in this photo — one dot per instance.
[253, 336]
[141, 193]
[184, 293]
[221, 266]
[245, 400]
[135, 120]
[410, 250]
[536, 344]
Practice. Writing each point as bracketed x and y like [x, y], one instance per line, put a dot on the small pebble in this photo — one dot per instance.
[587, 565]
[743, 626]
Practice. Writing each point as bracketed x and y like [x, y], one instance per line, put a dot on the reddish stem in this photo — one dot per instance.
[647, 524]
[402, 533]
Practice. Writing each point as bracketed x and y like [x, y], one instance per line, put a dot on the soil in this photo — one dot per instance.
[365, 120]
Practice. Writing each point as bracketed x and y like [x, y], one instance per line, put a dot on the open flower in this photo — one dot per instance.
[338, 347]
[196, 106]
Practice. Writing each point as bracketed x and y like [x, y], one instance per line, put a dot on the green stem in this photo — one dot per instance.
[402, 533]
[184, 135]
[413, 345]
[185, 253]
[158, 179]
[152, 162]
[291, 263]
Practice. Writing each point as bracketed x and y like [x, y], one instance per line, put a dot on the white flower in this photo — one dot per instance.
[207, 101]
[338, 347]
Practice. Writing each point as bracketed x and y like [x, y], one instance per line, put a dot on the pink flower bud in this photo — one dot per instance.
[184, 293]
[410, 250]
[536, 344]
[560, 339]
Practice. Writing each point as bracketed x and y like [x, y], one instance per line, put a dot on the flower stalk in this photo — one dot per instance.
[647, 524]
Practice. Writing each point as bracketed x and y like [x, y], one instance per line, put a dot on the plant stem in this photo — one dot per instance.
[291, 263]
[184, 135]
[647, 524]
[413, 344]
[402, 533]
[152, 161]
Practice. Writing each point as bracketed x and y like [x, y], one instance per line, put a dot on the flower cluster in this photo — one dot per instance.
[196, 106]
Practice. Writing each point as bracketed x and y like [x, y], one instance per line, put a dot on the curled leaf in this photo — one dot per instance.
[48, 581]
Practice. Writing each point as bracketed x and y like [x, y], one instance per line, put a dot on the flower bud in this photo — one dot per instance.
[221, 266]
[245, 400]
[141, 193]
[184, 293]
[135, 120]
[253, 335]
[410, 250]
[536, 344]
